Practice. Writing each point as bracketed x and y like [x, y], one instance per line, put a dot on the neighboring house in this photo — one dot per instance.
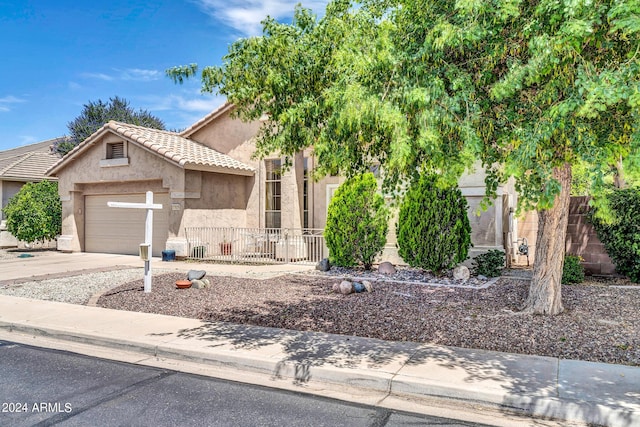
[206, 176]
[17, 167]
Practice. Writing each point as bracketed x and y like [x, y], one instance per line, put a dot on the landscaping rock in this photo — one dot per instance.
[323, 265]
[481, 277]
[346, 287]
[367, 285]
[207, 282]
[461, 273]
[198, 284]
[358, 287]
[336, 287]
[196, 274]
[386, 268]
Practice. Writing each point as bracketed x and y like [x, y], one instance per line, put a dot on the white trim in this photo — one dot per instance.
[331, 188]
[185, 195]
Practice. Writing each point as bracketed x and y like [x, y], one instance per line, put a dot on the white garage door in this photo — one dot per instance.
[120, 231]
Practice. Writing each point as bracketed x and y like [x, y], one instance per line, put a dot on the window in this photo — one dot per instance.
[115, 150]
[273, 194]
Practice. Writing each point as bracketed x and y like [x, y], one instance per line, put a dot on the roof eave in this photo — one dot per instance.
[219, 169]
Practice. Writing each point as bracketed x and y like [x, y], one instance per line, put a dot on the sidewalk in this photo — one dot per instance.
[399, 375]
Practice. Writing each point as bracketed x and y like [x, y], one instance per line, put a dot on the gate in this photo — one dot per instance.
[256, 245]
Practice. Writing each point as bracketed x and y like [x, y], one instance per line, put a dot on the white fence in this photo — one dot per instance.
[256, 245]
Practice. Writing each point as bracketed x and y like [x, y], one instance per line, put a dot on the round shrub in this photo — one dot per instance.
[357, 223]
[433, 227]
[621, 236]
[572, 270]
[489, 264]
[34, 214]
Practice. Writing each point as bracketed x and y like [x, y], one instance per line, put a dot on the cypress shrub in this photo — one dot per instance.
[357, 223]
[433, 227]
[621, 236]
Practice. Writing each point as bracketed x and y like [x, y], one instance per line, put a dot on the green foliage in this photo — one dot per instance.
[489, 264]
[619, 231]
[35, 212]
[357, 222]
[572, 270]
[95, 114]
[433, 227]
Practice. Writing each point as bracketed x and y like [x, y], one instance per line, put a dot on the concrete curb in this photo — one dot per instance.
[314, 375]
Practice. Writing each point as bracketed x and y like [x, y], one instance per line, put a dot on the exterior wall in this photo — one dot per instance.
[8, 189]
[581, 238]
[85, 176]
[225, 134]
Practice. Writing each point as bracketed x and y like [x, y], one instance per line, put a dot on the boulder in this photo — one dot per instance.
[461, 273]
[196, 274]
[358, 287]
[206, 282]
[346, 287]
[386, 268]
[367, 285]
[198, 284]
[323, 265]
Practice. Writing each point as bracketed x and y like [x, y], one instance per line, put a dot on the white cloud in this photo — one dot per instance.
[138, 74]
[7, 101]
[246, 15]
[97, 76]
[129, 74]
[201, 104]
[74, 86]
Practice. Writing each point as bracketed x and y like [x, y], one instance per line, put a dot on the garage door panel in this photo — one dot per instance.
[118, 230]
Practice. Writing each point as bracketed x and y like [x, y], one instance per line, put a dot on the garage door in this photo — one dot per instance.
[120, 231]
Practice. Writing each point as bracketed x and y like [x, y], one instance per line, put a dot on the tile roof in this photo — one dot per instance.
[29, 162]
[185, 152]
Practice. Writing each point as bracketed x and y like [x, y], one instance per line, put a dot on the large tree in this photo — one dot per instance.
[528, 87]
[95, 114]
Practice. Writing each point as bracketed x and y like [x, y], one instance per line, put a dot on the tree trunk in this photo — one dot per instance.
[545, 289]
[618, 179]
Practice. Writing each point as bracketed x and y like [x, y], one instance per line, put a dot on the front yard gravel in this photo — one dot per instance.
[601, 322]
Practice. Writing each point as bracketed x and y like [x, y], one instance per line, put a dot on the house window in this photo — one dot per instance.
[115, 150]
[273, 193]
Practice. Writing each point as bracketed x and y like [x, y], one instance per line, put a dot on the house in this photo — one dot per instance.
[17, 167]
[205, 176]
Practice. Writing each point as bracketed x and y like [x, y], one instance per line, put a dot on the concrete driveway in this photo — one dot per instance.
[51, 264]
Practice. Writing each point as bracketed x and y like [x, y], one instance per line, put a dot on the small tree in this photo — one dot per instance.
[35, 212]
[95, 114]
[621, 234]
[357, 222]
[433, 227]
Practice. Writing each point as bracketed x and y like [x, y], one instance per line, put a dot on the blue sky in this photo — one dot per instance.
[59, 55]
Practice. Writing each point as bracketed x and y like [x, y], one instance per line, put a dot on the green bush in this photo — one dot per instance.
[621, 236]
[34, 214]
[357, 223]
[572, 270]
[489, 264]
[433, 228]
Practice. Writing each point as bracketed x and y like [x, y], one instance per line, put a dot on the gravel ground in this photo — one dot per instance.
[601, 322]
[73, 289]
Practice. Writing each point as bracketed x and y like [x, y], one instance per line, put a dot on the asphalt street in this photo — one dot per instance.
[44, 387]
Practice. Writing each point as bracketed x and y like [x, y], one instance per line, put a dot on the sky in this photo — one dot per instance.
[59, 55]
